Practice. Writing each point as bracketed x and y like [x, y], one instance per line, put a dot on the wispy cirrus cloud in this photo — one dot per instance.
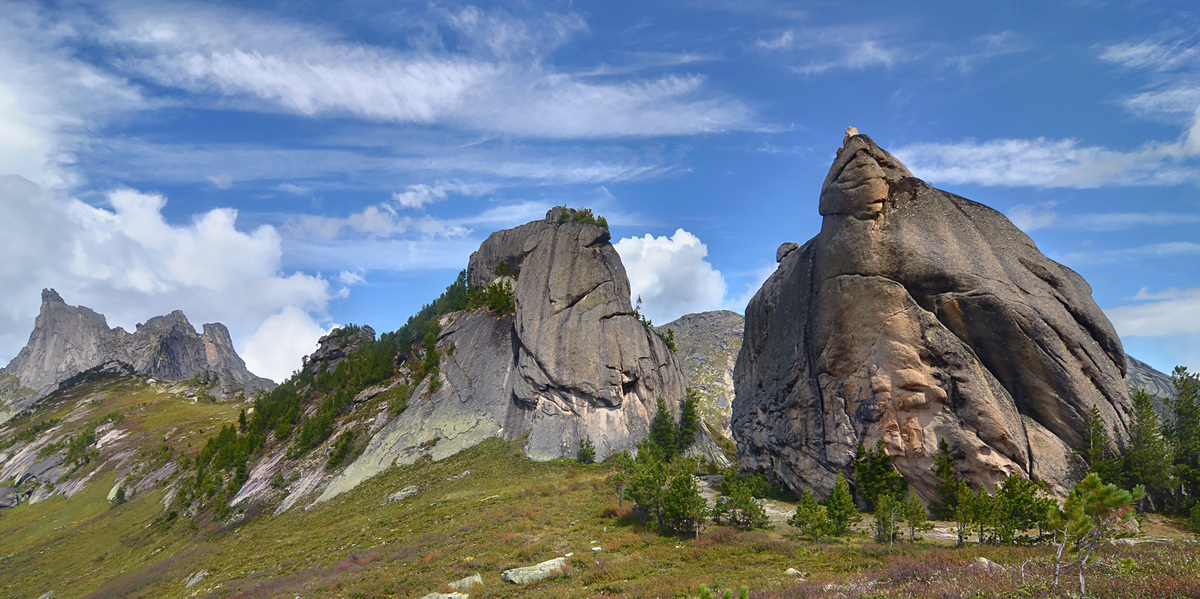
[495, 78]
[1071, 163]
[830, 48]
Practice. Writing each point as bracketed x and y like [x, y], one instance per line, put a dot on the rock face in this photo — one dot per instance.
[335, 346]
[707, 345]
[571, 362]
[69, 340]
[1140, 375]
[915, 316]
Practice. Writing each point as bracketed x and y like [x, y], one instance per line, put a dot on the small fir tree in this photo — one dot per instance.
[810, 519]
[888, 514]
[915, 517]
[840, 508]
[587, 451]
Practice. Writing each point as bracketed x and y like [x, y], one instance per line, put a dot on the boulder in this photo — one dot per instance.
[917, 316]
[534, 573]
[9, 497]
[466, 583]
[403, 494]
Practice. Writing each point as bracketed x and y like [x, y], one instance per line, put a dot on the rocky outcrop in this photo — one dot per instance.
[706, 346]
[916, 316]
[571, 362]
[70, 340]
[334, 347]
[1140, 375]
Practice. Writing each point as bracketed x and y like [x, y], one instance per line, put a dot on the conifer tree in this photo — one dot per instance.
[1147, 460]
[840, 508]
[875, 475]
[689, 420]
[810, 518]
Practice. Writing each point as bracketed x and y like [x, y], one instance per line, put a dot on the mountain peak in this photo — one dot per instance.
[68, 340]
[50, 296]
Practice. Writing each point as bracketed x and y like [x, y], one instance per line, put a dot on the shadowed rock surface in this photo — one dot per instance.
[69, 340]
[707, 345]
[915, 316]
[571, 362]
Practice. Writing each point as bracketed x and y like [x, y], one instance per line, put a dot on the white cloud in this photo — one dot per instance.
[1030, 218]
[671, 275]
[782, 41]
[293, 189]
[1174, 312]
[129, 263]
[1156, 56]
[1043, 162]
[281, 342]
[497, 81]
[855, 55]
[1154, 250]
[50, 101]
[416, 196]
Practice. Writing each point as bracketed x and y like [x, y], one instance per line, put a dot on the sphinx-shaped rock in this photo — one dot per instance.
[70, 340]
[571, 362]
[916, 316]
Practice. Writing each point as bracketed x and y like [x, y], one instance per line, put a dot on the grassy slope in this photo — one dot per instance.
[507, 512]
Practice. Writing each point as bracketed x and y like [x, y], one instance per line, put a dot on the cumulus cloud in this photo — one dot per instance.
[279, 345]
[129, 263]
[671, 275]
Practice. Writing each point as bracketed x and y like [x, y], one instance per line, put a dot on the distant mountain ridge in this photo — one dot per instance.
[69, 340]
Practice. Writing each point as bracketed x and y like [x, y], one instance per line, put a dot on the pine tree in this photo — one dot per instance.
[840, 508]
[951, 482]
[915, 517]
[875, 475]
[689, 420]
[1147, 461]
[810, 519]
[888, 514]
[1095, 448]
[683, 508]
[1093, 513]
[1185, 435]
[587, 451]
[663, 435]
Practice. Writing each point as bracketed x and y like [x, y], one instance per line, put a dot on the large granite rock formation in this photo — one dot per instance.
[69, 340]
[915, 316]
[1140, 375]
[573, 361]
[707, 345]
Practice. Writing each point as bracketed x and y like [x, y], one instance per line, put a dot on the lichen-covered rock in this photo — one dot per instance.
[707, 345]
[71, 340]
[916, 316]
[571, 362]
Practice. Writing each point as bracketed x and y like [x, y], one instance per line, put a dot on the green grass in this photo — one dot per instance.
[508, 512]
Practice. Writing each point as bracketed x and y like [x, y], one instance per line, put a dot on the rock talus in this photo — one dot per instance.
[914, 316]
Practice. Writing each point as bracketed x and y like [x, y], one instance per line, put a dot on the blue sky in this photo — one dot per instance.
[284, 167]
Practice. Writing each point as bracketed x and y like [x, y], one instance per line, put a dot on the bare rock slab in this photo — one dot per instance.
[534, 573]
